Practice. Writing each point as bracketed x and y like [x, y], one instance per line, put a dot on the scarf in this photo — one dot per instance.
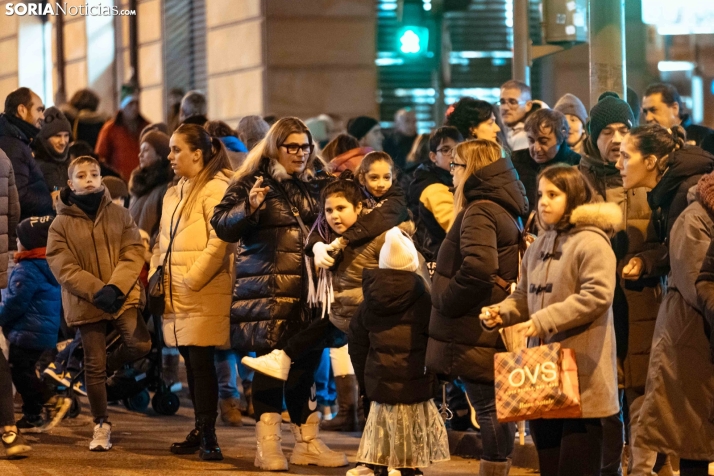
[36, 253]
[88, 203]
[27, 129]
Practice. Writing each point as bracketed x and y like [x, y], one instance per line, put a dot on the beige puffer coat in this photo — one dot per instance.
[85, 255]
[200, 270]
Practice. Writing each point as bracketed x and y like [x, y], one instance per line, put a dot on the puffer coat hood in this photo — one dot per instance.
[480, 248]
[270, 291]
[388, 338]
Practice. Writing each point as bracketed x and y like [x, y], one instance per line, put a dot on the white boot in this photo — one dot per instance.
[309, 449]
[275, 364]
[269, 454]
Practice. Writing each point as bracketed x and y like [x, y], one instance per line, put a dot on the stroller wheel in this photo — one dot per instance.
[165, 403]
[76, 407]
[138, 402]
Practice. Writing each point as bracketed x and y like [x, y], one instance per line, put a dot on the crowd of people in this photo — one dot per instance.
[284, 247]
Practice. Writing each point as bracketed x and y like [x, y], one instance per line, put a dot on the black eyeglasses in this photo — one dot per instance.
[293, 149]
[453, 165]
[445, 151]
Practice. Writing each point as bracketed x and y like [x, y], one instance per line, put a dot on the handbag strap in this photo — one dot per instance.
[173, 230]
[293, 209]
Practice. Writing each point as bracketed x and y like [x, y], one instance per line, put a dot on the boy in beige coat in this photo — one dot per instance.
[95, 251]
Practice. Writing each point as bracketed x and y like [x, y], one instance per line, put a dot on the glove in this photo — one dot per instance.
[322, 257]
[109, 299]
[338, 244]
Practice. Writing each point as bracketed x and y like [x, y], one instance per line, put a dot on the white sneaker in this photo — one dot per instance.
[102, 437]
[269, 436]
[275, 364]
[309, 449]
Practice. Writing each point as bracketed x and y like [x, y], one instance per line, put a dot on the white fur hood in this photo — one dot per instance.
[603, 215]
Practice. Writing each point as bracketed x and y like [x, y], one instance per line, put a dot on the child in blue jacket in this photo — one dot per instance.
[30, 316]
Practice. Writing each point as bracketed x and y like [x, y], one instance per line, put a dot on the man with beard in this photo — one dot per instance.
[19, 126]
[51, 149]
[515, 105]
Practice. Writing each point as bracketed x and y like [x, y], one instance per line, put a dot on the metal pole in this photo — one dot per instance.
[61, 92]
[521, 38]
[607, 48]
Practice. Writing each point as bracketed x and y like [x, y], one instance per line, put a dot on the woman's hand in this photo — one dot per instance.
[491, 316]
[633, 270]
[530, 328]
[257, 194]
[322, 258]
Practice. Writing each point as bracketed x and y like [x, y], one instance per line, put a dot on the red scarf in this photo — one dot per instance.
[36, 253]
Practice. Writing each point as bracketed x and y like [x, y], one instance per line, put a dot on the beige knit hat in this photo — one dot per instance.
[398, 252]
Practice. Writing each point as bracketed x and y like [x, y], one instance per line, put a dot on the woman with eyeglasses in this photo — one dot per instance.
[476, 265]
[477, 119]
[269, 208]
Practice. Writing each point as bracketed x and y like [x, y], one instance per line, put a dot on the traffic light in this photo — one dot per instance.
[413, 40]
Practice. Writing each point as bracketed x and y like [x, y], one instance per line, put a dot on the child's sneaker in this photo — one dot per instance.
[79, 388]
[15, 445]
[102, 437]
[275, 364]
[59, 377]
[29, 422]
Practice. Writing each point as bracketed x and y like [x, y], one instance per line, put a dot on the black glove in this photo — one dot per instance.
[109, 299]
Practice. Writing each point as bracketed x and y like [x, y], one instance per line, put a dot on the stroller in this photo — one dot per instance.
[130, 385]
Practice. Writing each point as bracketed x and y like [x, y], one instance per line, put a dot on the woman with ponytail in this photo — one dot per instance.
[659, 159]
[198, 274]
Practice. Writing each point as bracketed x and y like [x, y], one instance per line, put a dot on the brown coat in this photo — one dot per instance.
[9, 214]
[85, 256]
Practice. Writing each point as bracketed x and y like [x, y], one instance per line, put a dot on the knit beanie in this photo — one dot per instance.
[398, 252]
[610, 109]
[54, 123]
[570, 104]
[32, 232]
[705, 192]
[116, 186]
[159, 141]
[359, 126]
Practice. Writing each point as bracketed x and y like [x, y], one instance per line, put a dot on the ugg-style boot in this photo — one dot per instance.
[347, 399]
[494, 468]
[209, 449]
[170, 369]
[230, 411]
[269, 436]
[309, 449]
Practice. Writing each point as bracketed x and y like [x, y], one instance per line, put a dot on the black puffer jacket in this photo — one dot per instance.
[388, 337]
[668, 199]
[473, 254]
[270, 291]
[528, 169]
[35, 198]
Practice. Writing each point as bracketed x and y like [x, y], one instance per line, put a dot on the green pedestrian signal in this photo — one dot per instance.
[413, 40]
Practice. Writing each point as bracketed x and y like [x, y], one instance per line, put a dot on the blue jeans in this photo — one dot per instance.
[497, 438]
[324, 382]
[228, 368]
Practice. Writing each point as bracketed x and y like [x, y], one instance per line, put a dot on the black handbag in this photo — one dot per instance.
[157, 284]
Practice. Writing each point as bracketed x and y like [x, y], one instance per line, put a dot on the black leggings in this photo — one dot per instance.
[202, 380]
[35, 393]
[690, 467]
[321, 333]
[298, 390]
[568, 447]
[7, 410]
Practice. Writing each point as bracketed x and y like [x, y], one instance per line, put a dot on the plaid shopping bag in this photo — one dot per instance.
[538, 382]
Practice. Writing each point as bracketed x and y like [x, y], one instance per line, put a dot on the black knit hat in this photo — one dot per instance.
[359, 126]
[33, 231]
[54, 123]
[610, 109]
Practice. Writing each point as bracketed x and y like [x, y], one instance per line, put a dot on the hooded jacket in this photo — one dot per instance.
[9, 215]
[482, 245]
[349, 160]
[431, 202]
[199, 273]
[86, 124]
[566, 288]
[677, 415]
[147, 187]
[85, 255]
[31, 306]
[35, 198]
[636, 303]
[53, 166]
[668, 199]
[388, 337]
[528, 169]
[270, 291]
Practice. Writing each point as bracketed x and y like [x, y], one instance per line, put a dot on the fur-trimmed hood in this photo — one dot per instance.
[603, 215]
[143, 181]
[278, 172]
